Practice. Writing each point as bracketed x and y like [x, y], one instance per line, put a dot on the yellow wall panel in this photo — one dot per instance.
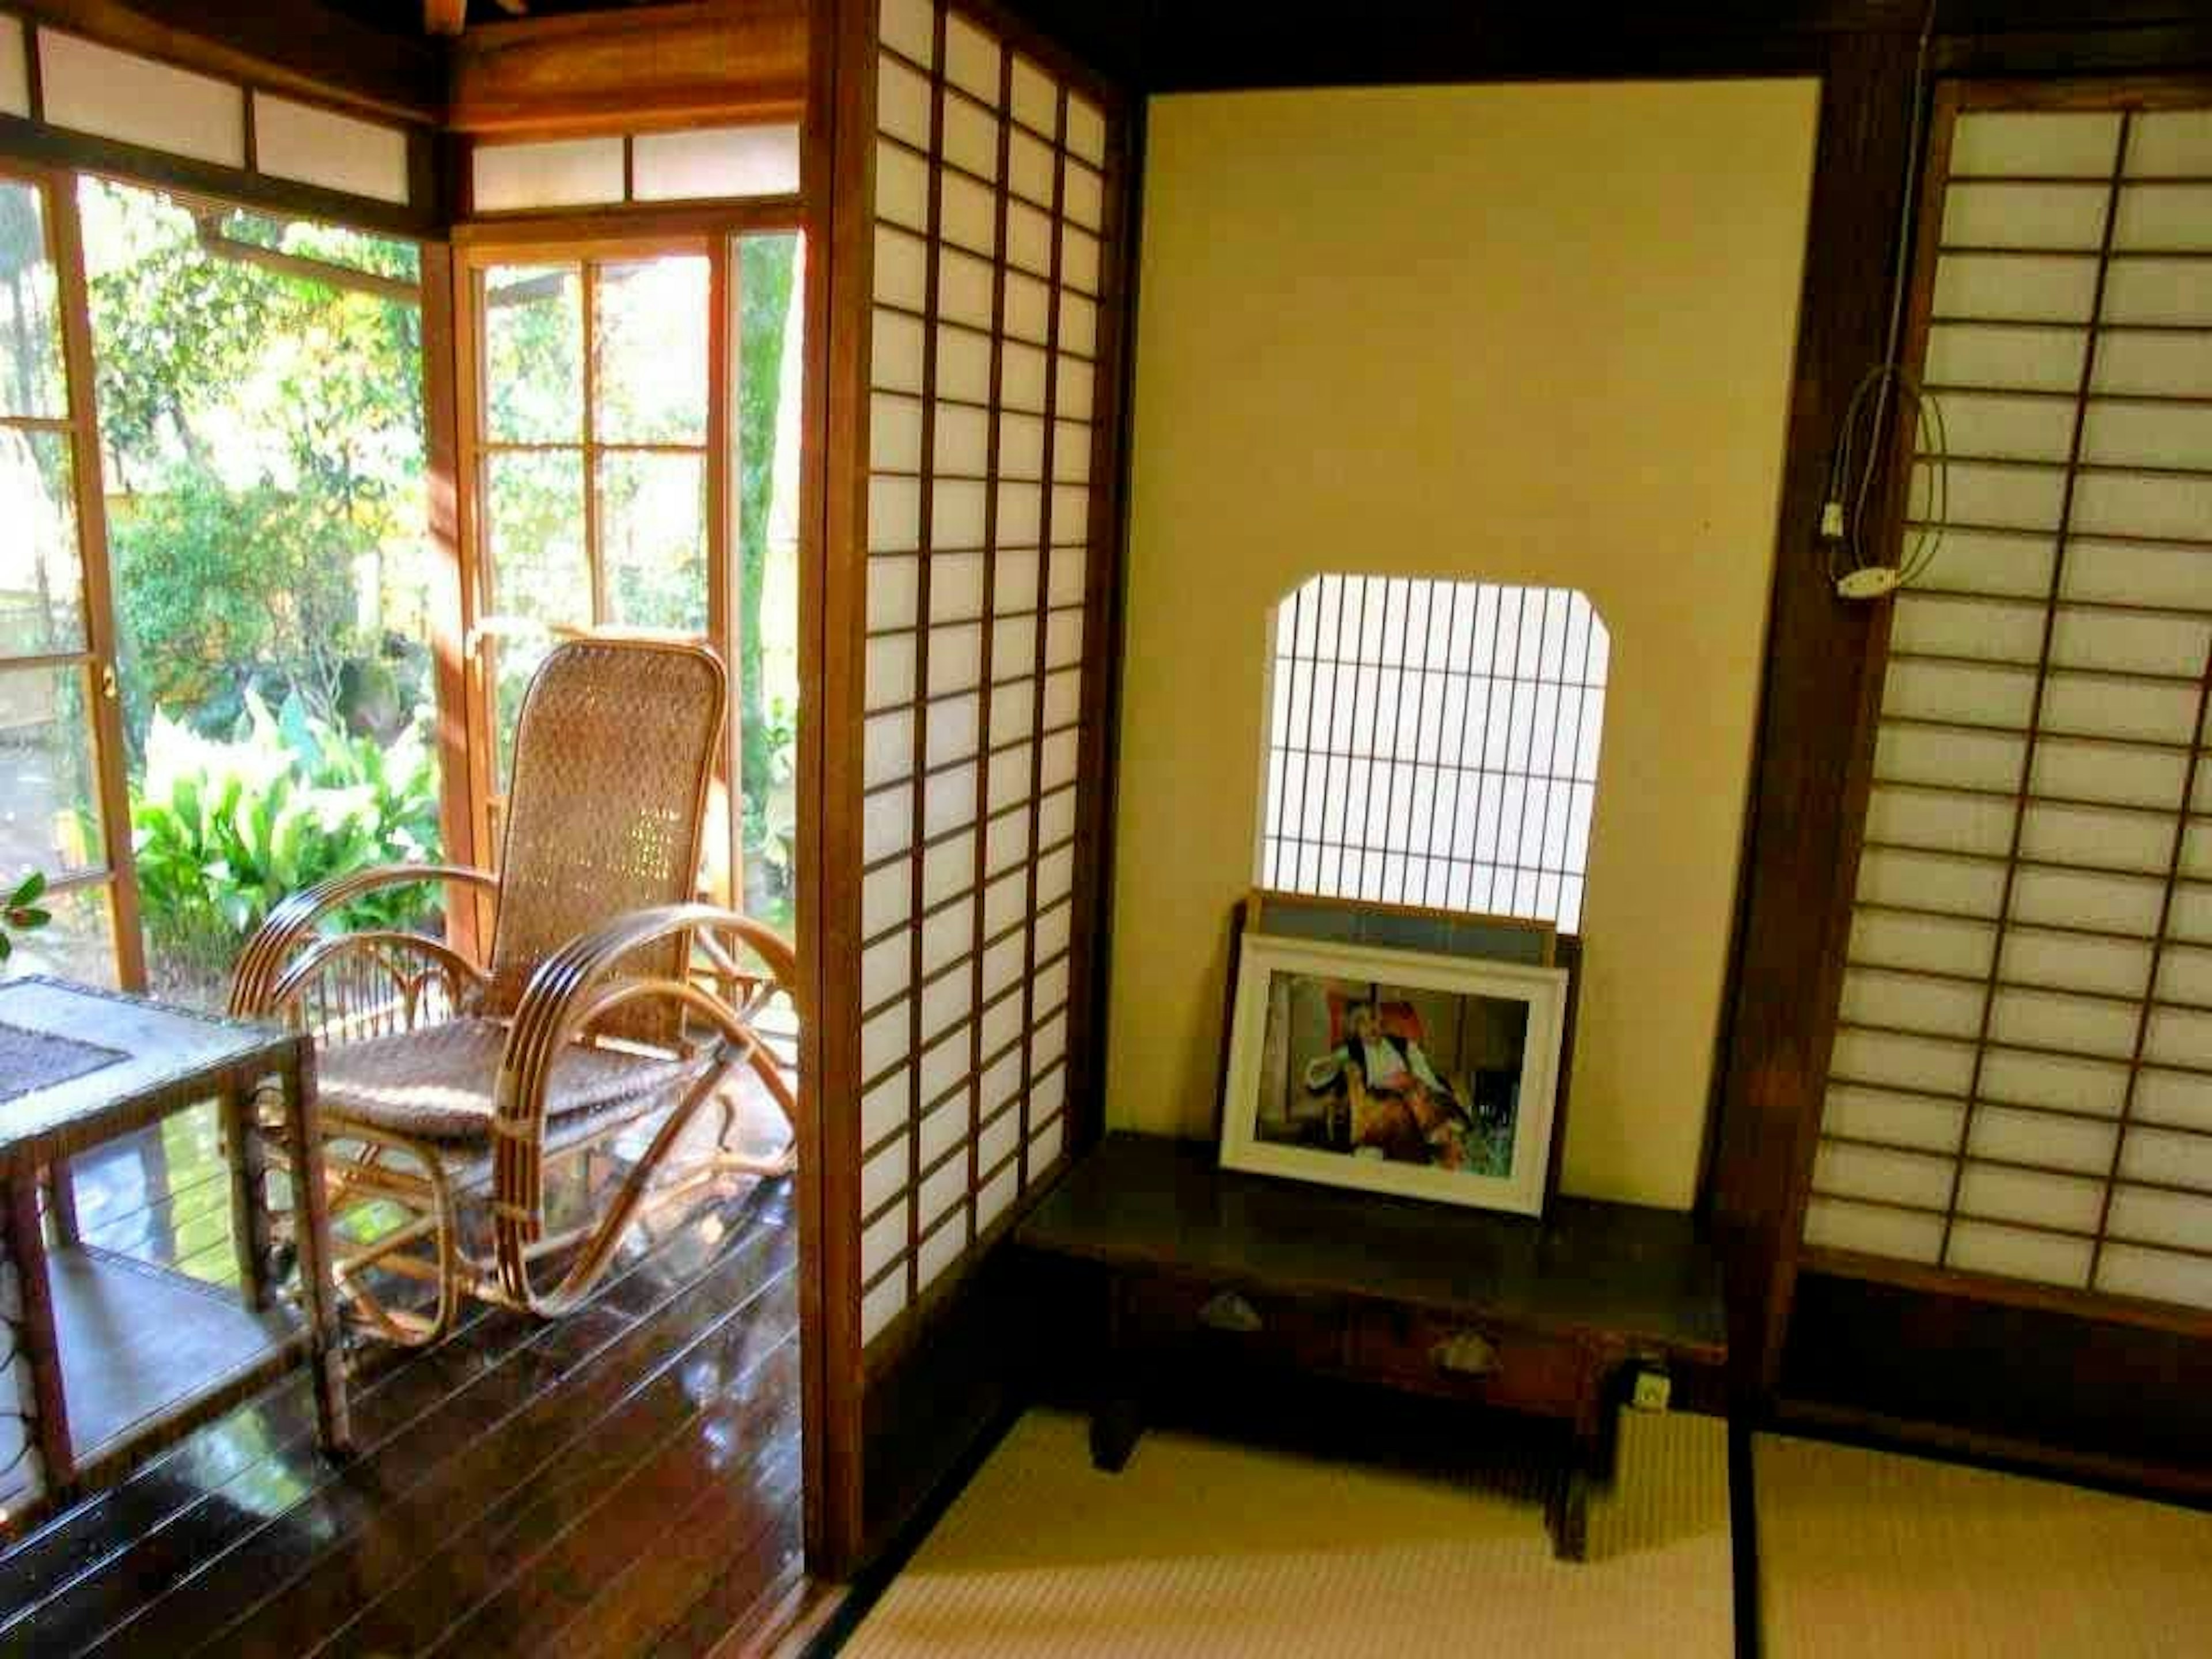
[1530, 334]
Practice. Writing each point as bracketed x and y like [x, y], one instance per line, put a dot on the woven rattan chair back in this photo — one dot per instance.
[613, 753]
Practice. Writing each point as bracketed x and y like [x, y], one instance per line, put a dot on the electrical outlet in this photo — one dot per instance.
[1653, 1390]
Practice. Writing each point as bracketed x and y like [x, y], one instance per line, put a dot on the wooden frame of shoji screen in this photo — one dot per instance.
[984, 572]
[1958, 969]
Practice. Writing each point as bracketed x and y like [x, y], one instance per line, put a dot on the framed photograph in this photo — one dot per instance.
[1395, 1071]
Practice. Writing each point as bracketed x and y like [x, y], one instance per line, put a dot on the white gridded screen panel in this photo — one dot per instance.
[1434, 745]
[990, 197]
[2022, 1077]
[320, 146]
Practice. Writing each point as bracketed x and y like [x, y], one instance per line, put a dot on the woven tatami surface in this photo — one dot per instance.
[1862, 1552]
[1201, 1548]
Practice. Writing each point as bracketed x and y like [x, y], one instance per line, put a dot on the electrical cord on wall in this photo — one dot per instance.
[1856, 466]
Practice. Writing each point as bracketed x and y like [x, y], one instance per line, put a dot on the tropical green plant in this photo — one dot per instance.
[20, 912]
[223, 832]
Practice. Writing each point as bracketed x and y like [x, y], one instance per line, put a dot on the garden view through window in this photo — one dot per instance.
[250, 548]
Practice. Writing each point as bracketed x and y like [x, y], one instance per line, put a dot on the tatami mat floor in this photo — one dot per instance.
[1212, 1550]
[1202, 1548]
[1865, 1552]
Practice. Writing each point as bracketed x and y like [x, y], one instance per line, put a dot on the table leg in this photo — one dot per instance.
[1117, 1418]
[311, 1231]
[1569, 1516]
[31, 1378]
[249, 1194]
[61, 1202]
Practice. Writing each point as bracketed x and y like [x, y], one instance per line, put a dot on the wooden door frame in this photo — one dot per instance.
[56, 187]
[585, 239]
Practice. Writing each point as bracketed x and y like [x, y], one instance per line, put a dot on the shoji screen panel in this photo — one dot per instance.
[2021, 1084]
[996, 187]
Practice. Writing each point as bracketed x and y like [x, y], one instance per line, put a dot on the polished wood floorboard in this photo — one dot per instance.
[622, 1481]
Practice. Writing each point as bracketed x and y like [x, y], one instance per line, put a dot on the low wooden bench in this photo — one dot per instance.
[1550, 1318]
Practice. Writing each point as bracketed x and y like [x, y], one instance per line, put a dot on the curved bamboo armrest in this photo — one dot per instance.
[575, 986]
[266, 976]
[570, 991]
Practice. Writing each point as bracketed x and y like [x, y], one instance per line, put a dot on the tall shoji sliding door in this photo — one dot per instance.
[2020, 1100]
[993, 186]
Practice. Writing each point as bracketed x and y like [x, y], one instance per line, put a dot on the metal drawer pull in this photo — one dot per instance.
[1230, 1312]
[1469, 1354]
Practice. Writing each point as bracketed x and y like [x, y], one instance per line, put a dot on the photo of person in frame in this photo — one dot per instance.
[1408, 1075]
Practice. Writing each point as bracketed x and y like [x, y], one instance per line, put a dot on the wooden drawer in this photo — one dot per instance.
[1471, 1359]
[1293, 1330]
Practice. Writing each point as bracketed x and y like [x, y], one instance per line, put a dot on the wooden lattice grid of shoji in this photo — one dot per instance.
[2019, 1098]
[997, 193]
[1434, 743]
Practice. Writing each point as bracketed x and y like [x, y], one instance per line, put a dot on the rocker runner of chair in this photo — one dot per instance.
[451, 1091]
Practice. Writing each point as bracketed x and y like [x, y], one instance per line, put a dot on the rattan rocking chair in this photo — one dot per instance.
[613, 1011]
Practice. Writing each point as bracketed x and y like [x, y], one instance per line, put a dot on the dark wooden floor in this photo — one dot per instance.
[622, 1481]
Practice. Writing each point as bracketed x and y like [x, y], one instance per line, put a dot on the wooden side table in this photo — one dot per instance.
[1541, 1318]
[110, 1357]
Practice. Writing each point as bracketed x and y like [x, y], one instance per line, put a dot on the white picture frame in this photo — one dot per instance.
[1281, 1114]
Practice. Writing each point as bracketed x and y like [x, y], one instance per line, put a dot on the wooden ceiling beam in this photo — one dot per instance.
[662, 65]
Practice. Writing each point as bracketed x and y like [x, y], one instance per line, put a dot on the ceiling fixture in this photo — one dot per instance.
[450, 17]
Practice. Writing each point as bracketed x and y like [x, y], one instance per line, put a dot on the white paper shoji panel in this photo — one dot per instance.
[713, 163]
[2022, 1077]
[96, 89]
[321, 147]
[558, 172]
[1434, 743]
[14, 67]
[991, 195]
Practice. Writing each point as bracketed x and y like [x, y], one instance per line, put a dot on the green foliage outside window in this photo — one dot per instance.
[262, 432]
[223, 832]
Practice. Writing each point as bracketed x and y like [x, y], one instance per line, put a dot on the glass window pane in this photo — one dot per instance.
[49, 796]
[649, 351]
[78, 944]
[763, 508]
[41, 574]
[653, 539]
[536, 524]
[262, 435]
[30, 326]
[533, 337]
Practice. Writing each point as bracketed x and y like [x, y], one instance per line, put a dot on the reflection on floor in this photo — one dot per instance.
[622, 1481]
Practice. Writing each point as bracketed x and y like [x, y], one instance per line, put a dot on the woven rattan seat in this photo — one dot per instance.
[451, 1085]
[440, 1082]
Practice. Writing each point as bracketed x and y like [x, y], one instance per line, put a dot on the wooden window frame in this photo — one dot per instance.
[585, 241]
[117, 882]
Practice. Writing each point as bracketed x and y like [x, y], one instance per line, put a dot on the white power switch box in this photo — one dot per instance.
[1652, 1392]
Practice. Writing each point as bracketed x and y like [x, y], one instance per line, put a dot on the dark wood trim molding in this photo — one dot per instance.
[1800, 836]
[838, 158]
[50, 146]
[2037, 1387]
